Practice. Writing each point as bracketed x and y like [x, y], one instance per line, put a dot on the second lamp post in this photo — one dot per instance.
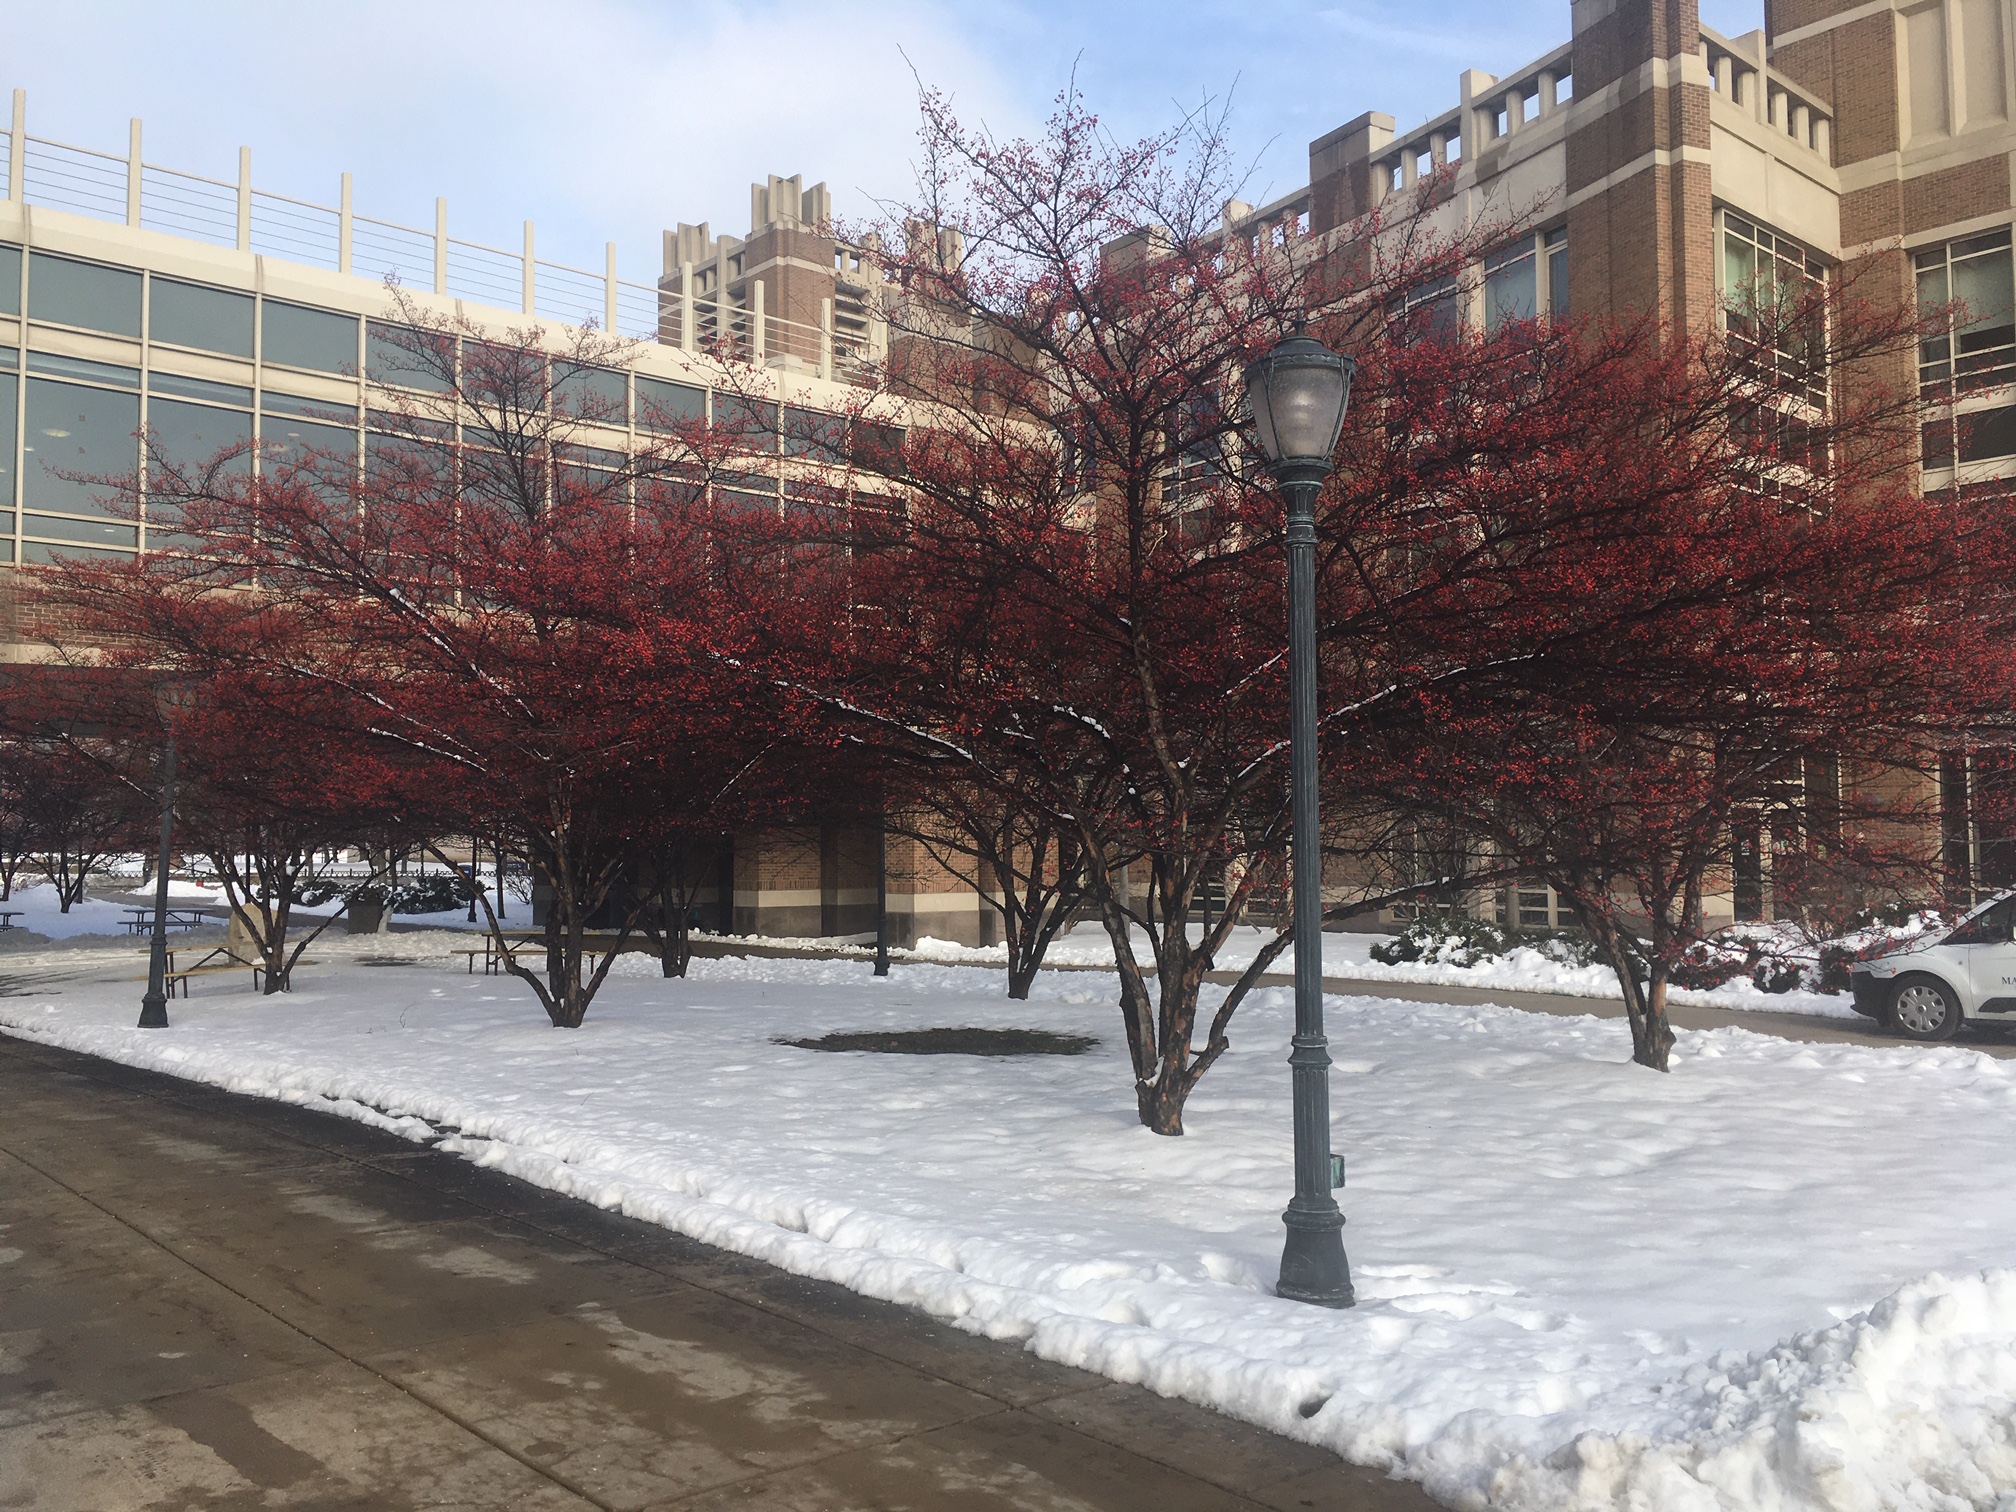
[1298, 392]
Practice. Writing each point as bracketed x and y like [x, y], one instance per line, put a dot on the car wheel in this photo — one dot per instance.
[1925, 1008]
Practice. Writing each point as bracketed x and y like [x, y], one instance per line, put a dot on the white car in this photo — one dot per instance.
[1926, 991]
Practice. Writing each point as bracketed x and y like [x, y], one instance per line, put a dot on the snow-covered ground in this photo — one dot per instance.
[1768, 1280]
[95, 915]
[1347, 956]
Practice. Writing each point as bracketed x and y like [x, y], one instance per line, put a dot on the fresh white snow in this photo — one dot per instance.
[1347, 957]
[1769, 1280]
[41, 914]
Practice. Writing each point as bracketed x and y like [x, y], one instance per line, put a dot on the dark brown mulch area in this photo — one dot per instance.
[952, 1042]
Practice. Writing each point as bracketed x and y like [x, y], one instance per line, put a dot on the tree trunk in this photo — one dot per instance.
[1644, 1000]
[1652, 1039]
[675, 943]
[1021, 973]
[1161, 1104]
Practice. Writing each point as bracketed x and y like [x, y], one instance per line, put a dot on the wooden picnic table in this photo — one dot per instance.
[232, 961]
[493, 958]
[8, 916]
[140, 920]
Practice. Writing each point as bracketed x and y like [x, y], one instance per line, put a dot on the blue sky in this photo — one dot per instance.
[611, 119]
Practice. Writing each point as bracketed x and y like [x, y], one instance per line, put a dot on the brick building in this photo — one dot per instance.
[1663, 165]
[134, 296]
[1657, 162]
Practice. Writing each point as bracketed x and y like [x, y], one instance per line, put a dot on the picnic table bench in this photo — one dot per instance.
[8, 916]
[140, 920]
[210, 964]
[493, 959]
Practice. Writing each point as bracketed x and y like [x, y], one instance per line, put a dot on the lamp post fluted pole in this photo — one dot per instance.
[1298, 392]
[1313, 1266]
[154, 1002]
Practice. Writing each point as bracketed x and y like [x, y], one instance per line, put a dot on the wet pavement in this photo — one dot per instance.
[220, 1302]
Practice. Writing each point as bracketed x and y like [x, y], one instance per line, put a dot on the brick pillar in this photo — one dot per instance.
[1640, 220]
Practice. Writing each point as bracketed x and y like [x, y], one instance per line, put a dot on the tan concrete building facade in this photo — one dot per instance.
[1664, 165]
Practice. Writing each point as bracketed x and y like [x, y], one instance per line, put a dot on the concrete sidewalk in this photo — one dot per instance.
[220, 1302]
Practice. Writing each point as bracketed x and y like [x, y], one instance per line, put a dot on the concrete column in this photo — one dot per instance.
[756, 321]
[1547, 98]
[826, 338]
[530, 293]
[1438, 150]
[244, 199]
[609, 288]
[17, 146]
[441, 246]
[1725, 77]
[1823, 137]
[345, 226]
[1801, 124]
[1476, 116]
[688, 338]
[133, 172]
[1410, 167]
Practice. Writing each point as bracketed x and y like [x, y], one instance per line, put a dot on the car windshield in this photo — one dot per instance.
[1991, 925]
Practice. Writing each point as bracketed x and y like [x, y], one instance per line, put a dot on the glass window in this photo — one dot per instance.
[1935, 352]
[598, 394]
[88, 532]
[194, 315]
[1432, 311]
[1511, 289]
[878, 447]
[1739, 258]
[667, 406]
[1968, 290]
[8, 393]
[188, 437]
[1557, 274]
[1986, 294]
[81, 367]
[10, 280]
[82, 431]
[290, 441]
[296, 336]
[38, 552]
[1987, 434]
[811, 433]
[1935, 442]
[407, 358]
[1771, 307]
[754, 420]
[309, 409]
[159, 382]
[67, 292]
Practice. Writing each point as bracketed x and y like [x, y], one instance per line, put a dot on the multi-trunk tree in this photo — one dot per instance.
[514, 604]
[1076, 581]
[1693, 616]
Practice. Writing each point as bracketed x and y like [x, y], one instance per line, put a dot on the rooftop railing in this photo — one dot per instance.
[131, 191]
[1746, 81]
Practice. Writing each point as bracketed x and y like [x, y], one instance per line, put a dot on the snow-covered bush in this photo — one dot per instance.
[1452, 940]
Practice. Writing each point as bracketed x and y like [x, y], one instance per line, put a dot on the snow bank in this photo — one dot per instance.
[1581, 1285]
[1346, 957]
[41, 914]
[1909, 1405]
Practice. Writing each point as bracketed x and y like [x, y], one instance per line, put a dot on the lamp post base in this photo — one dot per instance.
[1313, 1267]
[153, 1012]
